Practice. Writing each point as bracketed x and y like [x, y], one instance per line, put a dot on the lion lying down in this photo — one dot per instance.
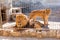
[35, 25]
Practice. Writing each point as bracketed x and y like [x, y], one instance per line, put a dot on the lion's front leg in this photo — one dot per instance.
[45, 21]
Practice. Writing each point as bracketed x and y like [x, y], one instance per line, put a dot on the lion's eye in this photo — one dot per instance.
[24, 18]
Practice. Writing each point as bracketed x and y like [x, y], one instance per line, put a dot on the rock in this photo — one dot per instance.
[39, 35]
[45, 34]
[6, 33]
[52, 33]
[58, 34]
[15, 34]
[32, 34]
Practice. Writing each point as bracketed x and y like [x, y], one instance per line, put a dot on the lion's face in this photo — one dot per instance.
[21, 20]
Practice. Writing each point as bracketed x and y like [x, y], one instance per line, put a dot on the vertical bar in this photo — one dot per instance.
[0, 19]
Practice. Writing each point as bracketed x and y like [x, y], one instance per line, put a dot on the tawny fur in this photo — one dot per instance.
[44, 14]
[37, 24]
[21, 20]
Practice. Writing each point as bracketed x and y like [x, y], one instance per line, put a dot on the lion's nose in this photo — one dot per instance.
[20, 24]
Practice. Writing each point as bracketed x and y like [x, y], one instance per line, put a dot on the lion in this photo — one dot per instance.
[44, 14]
[36, 24]
[21, 20]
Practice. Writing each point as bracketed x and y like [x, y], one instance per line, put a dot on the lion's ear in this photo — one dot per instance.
[48, 11]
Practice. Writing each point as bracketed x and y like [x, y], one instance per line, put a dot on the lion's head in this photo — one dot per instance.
[21, 20]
